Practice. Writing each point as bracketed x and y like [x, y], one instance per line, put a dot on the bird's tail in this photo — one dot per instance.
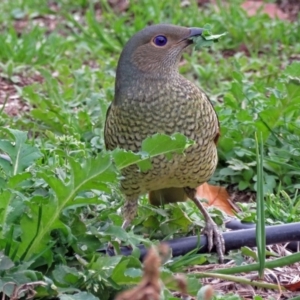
[168, 195]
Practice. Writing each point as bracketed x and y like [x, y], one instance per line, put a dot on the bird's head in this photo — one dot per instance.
[155, 51]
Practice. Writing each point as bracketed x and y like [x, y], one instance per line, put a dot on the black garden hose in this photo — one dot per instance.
[236, 239]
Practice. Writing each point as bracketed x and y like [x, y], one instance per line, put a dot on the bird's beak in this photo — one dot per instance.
[194, 31]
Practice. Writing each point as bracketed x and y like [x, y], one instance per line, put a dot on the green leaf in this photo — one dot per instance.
[193, 284]
[5, 163]
[206, 40]
[106, 264]
[123, 158]
[5, 262]
[293, 70]
[133, 272]
[21, 154]
[78, 296]
[117, 232]
[190, 260]
[90, 173]
[12, 206]
[158, 144]
[65, 276]
[260, 208]
[16, 180]
[163, 144]
[249, 252]
[36, 227]
[119, 276]
[179, 219]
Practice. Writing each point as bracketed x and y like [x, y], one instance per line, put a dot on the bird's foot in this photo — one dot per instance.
[214, 238]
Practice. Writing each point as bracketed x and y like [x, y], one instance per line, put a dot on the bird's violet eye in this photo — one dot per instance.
[160, 40]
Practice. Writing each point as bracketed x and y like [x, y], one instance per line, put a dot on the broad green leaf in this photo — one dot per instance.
[117, 232]
[163, 144]
[133, 272]
[293, 96]
[92, 173]
[78, 296]
[46, 213]
[65, 276]
[22, 154]
[293, 70]
[180, 218]
[5, 262]
[16, 180]
[158, 144]
[12, 206]
[120, 274]
[5, 162]
[106, 264]
[123, 158]
[37, 226]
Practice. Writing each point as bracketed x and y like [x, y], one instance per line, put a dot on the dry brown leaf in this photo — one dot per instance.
[25, 290]
[150, 285]
[294, 287]
[271, 9]
[216, 196]
[119, 5]
[206, 292]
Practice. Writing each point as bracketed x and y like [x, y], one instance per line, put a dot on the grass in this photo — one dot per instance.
[59, 195]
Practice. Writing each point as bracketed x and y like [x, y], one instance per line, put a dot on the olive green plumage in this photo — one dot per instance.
[152, 97]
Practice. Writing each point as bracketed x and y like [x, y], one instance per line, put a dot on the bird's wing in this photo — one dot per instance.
[106, 132]
[218, 133]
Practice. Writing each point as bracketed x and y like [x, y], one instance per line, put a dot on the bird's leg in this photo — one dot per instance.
[214, 237]
[129, 210]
